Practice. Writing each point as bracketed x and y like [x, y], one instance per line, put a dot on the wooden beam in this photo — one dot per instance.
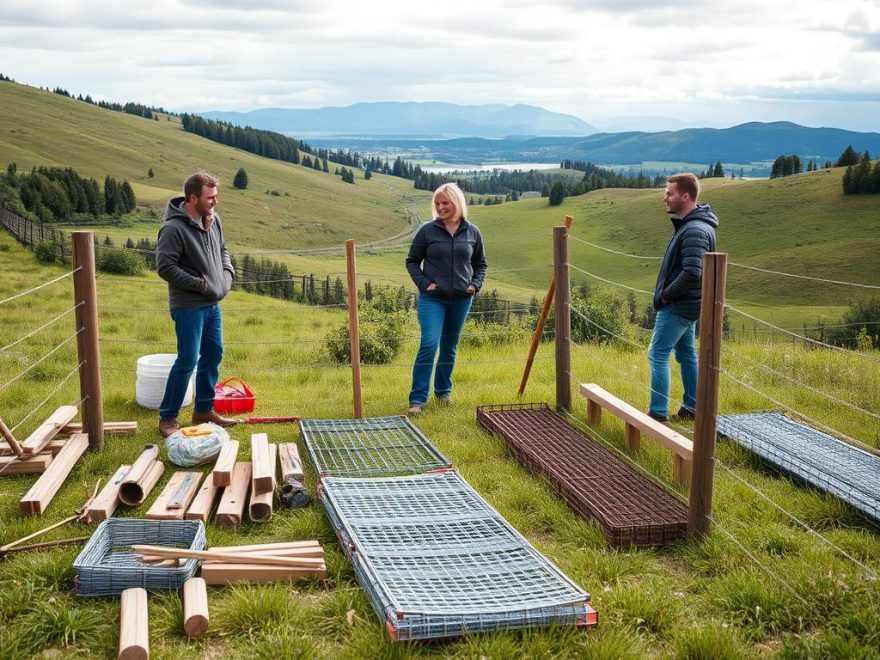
[41, 493]
[263, 469]
[220, 574]
[227, 557]
[52, 448]
[354, 340]
[267, 548]
[35, 442]
[225, 462]
[231, 507]
[195, 607]
[134, 636]
[291, 464]
[562, 318]
[131, 492]
[110, 428]
[36, 464]
[201, 506]
[175, 497]
[105, 504]
[260, 509]
[11, 443]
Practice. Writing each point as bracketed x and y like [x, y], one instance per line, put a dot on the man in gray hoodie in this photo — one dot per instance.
[191, 255]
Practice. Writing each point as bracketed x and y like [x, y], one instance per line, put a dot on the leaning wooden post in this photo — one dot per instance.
[711, 329]
[85, 291]
[563, 318]
[354, 328]
[539, 327]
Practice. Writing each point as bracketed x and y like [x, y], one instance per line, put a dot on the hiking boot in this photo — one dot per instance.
[443, 399]
[663, 419]
[168, 426]
[213, 417]
[685, 413]
[414, 409]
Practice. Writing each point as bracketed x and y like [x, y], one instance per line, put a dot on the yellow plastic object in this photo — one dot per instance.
[193, 431]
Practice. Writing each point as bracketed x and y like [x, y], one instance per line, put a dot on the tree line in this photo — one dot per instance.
[862, 178]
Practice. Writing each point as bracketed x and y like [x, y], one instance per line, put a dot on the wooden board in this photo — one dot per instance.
[231, 507]
[175, 497]
[267, 548]
[41, 493]
[225, 462]
[219, 574]
[263, 468]
[107, 501]
[151, 478]
[260, 508]
[201, 506]
[111, 428]
[52, 448]
[35, 442]
[35, 464]
[134, 636]
[291, 464]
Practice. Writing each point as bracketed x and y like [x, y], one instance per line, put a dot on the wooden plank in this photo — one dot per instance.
[291, 464]
[35, 442]
[195, 607]
[41, 493]
[52, 448]
[227, 557]
[154, 473]
[681, 471]
[131, 492]
[594, 412]
[225, 462]
[201, 506]
[110, 428]
[262, 479]
[36, 464]
[105, 504]
[231, 507]
[175, 497]
[631, 438]
[267, 548]
[220, 574]
[134, 636]
[260, 509]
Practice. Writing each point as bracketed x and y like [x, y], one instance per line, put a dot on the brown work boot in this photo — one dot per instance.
[168, 426]
[214, 417]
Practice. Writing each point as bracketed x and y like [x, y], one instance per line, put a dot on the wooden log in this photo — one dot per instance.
[131, 492]
[88, 350]
[266, 548]
[151, 478]
[35, 442]
[41, 493]
[227, 557]
[354, 328]
[231, 507]
[195, 607]
[291, 464]
[201, 506]
[110, 428]
[11, 443]
[36, 464]
[260, 509]
[105, 504]
[225, 462]
[262, 467]
[220, 574]
[175, 497]
[52, 448]
[134, 638]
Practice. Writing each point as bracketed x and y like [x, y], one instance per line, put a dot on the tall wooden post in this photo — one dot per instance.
[85, 293]
[354, 328]
[563, 318]
[711, 329]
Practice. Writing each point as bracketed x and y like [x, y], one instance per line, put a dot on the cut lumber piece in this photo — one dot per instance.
[41, 493]
[225, 462]
[110, 428]
[195, 607]
[266, 548]
[291, 464]
[35, 464]
[263, 469]
[134, 636]
[203, 502]
[227, 557]
[220, 574]
[35, 442]
[231, 507]
[175, 497]
[105, 504]
[260, 509]
[131, 492]
[52, 448]
[11, 443]
[151, 478]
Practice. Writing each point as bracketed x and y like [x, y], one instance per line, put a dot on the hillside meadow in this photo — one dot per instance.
[760, 585]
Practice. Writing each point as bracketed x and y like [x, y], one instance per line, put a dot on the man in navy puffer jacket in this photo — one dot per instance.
[677, 294]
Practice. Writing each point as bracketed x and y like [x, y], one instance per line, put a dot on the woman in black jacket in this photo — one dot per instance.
[447, 263]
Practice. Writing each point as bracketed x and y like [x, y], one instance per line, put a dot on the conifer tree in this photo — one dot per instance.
[240, 181]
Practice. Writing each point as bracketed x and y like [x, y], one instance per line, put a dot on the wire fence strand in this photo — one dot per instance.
[54, 391]
[42, 327]
[805, 277]
[41, 359]
[40, 286]
[611, 282]
[606, 249]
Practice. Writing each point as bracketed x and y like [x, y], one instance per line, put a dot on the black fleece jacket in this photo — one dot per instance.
[680, 279]
[453, 263]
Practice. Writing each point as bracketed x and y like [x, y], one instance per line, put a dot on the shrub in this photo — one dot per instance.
[479, 335]
[380, 336]
[862, 318]
[596, 311]
[119, 261]
[45, 251]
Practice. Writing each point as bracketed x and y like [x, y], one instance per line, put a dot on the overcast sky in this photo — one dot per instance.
[706, 62]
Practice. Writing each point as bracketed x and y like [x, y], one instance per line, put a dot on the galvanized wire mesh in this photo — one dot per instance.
[593, 481]
[819, 459]
[380, 446]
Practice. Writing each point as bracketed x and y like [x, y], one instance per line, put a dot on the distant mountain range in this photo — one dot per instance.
[424, 120]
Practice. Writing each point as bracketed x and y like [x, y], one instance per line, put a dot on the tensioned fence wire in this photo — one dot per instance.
[42, 327]
[41, 359]
[40, 286]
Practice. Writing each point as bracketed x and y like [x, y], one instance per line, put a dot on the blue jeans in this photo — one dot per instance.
[199, 344]
[441, 321]
[671, 331]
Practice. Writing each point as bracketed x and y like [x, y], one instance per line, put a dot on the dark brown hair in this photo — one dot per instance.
[194, 184]
[686, 183]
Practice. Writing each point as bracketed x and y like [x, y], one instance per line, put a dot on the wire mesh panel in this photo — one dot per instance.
[821, 460]
[437, 560]
[378, 446]
[631, 509]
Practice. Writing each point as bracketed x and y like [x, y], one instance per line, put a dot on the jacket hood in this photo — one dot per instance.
[703, 213]
[175, 211]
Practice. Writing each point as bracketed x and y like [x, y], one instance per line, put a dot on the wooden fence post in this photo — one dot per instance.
[85, 292]
[354, 328]
[711, 329]
[563, 318]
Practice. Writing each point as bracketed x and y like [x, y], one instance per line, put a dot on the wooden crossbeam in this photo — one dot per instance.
[41, 437]
[41, 493]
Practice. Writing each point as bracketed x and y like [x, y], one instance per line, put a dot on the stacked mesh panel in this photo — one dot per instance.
[435, 559]
[827, 463]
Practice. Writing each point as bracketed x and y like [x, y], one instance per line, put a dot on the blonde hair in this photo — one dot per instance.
[455, 195]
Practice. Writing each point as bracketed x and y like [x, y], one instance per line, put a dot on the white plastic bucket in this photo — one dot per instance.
[152, 375]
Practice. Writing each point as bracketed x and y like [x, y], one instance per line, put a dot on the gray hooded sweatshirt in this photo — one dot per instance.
[193, 260]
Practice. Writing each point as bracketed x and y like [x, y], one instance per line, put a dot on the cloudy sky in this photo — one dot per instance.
[704, 62]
